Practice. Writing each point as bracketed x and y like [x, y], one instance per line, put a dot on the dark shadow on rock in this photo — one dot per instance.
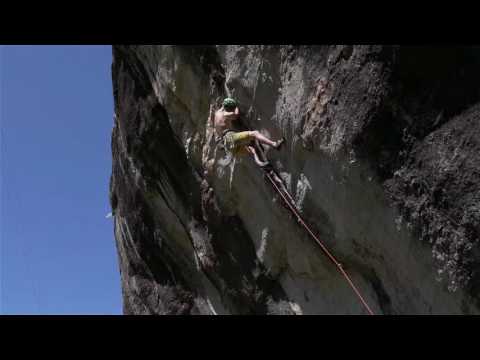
[247, 284]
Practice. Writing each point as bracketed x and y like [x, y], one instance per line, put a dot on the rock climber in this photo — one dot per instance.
[238, 143]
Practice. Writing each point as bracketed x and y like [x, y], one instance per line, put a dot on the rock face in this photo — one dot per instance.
[382, 157]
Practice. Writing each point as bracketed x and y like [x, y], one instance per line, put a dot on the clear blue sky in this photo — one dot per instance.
[57, 251]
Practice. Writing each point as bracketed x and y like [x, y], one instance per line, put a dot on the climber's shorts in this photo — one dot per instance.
[235, 142]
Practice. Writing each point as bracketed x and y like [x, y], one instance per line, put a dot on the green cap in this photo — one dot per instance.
[229, 103]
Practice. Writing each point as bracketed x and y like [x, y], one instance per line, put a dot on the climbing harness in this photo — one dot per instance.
[227, 138]
[290, 206]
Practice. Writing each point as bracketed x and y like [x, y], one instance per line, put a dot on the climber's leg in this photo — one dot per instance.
[259, 162]
[263, 139]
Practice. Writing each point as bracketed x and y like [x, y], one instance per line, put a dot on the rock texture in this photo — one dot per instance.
[382, 158]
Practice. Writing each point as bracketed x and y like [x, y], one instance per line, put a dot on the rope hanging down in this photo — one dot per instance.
[317, 240]
[322, 246]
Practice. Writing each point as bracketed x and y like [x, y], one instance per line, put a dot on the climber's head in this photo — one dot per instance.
[229, 104]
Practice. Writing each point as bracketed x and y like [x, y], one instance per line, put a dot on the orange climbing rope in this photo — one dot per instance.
[322, 246]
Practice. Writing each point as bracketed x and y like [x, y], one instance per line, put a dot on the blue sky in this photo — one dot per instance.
[57, 249]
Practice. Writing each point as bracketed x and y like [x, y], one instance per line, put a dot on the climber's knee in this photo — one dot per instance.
[255, 134]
